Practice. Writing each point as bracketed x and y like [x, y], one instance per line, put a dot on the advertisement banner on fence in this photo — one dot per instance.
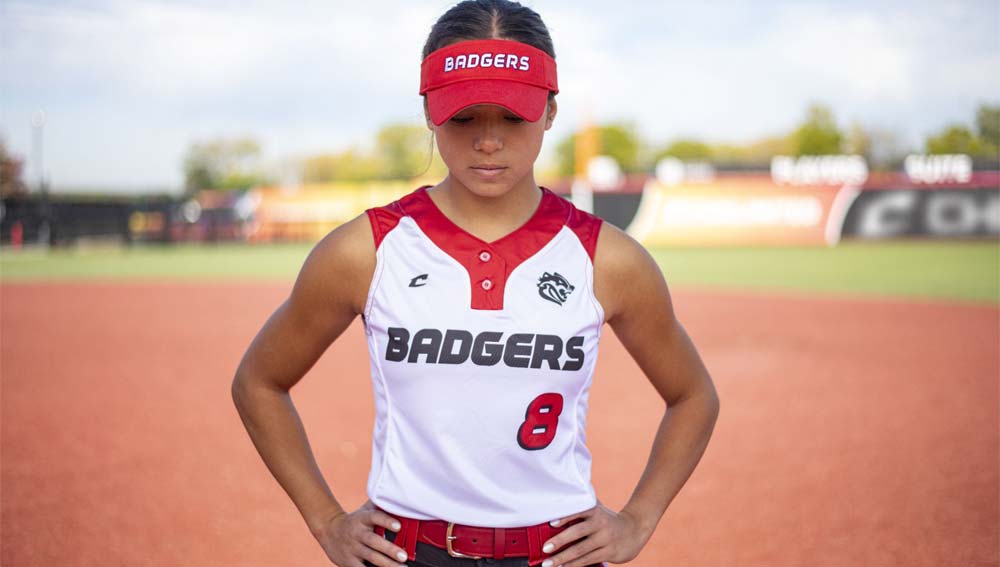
[743, 210]
[311, 211]
[930, 213]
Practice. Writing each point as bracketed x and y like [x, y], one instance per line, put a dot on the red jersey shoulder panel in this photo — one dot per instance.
[587, 227]
[489, 262]
[385, 218]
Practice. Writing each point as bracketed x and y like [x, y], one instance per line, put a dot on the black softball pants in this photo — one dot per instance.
[428, 555]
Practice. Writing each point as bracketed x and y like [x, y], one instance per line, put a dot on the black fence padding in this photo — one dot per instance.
[933, 213]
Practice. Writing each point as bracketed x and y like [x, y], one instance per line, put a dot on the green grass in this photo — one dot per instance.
[185, 261]
[919, 269]
[922, 269]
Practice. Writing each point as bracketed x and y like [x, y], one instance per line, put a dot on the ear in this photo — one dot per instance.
[551, 111]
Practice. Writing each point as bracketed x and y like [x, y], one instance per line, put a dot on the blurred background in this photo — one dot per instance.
[734, 123]
[819, 180]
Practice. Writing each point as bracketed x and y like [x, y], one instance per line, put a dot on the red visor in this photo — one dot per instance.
[511, 74]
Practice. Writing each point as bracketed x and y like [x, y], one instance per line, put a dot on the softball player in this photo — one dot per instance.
[483, 299]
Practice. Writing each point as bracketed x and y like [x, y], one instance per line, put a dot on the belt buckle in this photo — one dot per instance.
[452, 552]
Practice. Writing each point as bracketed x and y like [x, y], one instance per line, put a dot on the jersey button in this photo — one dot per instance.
[487, 284]
[484, 256]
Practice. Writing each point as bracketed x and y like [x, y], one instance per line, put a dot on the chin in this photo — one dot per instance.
[487, 188]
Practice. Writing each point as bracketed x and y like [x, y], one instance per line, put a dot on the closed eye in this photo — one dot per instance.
[514, 119]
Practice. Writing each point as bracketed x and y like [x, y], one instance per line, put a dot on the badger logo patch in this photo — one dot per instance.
[554, 287]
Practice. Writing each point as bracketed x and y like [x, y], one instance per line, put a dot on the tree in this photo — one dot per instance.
[223, 164]
[685, 149]
[858, 141]
[619, 141]
[404, 150]
[954, 139]
[818, 135]
[11, 174]
[988, 124]
[983, 144]
[757, 153]
[349, 165]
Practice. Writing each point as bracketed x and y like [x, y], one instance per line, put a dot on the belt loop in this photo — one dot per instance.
[499, 542]
[400, 538]
[405, 536]
[534, 546]
[411, 538]
[545, 531]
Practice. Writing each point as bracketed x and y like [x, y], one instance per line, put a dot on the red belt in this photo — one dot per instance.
[475, 542]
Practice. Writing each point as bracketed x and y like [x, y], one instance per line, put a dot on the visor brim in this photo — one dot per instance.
[526, 101]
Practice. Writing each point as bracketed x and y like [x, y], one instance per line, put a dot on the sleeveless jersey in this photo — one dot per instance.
[482, 356]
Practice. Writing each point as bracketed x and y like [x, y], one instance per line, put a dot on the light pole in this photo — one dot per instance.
[37, 130]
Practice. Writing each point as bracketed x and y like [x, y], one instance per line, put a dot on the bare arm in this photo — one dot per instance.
[328, 293]
[638, 308]
[636, 301]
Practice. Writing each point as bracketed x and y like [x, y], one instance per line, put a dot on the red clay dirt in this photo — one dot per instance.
[852, 433]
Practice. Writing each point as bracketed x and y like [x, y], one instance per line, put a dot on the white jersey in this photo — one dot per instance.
[482, 356]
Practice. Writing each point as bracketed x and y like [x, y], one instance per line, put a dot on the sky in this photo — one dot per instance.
[126, 86]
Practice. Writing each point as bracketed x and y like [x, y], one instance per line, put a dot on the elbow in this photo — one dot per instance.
[711, 398]
[705, 398]
[241, 388]
[237, 390]
[714, 405]
[247, 388]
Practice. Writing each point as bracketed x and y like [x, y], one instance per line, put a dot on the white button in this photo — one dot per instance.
[484, 256]
[487, 284]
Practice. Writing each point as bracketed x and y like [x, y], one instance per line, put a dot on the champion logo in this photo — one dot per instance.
[419, 281]
[554, 287]
[499, 61]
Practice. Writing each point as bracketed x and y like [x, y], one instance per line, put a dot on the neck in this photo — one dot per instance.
[496, 215]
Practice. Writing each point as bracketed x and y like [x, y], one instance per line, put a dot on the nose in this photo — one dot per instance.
[488, 140]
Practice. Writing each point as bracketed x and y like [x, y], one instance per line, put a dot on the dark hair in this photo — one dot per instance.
[490, 19]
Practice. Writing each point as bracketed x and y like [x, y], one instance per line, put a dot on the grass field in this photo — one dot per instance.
[968, 271]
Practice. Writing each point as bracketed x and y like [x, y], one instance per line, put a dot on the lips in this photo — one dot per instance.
[489, 171]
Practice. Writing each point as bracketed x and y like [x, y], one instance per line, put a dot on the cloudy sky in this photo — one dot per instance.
[127, 85]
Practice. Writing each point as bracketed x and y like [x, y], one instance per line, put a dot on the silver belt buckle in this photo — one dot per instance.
[449, 538]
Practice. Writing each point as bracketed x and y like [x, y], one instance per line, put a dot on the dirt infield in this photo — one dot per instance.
[852, 433]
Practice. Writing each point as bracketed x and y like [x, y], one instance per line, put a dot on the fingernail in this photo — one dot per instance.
[395, 526]
[547, 548]
[554, 523]
[401, 556]
[547, 563]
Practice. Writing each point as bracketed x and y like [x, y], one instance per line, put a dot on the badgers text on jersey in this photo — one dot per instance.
[455, 346]
[482, 355]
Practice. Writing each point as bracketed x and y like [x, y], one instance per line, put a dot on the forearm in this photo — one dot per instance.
[679, 444]
[277, 432]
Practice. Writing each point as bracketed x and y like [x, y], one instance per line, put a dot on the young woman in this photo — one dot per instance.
[483, 300]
